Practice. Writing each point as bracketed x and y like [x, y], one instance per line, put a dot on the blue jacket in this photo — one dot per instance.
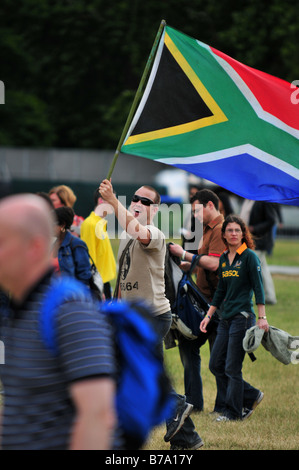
[73, 258]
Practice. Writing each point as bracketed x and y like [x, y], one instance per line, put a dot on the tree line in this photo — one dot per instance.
[71, 67]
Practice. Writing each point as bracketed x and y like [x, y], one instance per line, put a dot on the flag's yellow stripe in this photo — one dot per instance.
[217, 117]
[196, 82]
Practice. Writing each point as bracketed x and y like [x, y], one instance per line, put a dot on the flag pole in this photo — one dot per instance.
[137, 96]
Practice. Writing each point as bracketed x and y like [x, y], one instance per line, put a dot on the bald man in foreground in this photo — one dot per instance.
[50, 402]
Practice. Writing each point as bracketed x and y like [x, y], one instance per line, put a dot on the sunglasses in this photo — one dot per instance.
[145, 201]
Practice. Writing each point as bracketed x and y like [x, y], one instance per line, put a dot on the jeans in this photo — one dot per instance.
[191, 360]
[162, 324]
[187, 435]
[226, 361]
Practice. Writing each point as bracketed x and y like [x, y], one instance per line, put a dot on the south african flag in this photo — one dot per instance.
[210, 115]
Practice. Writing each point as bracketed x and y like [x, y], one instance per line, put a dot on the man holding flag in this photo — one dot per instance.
[199, 110]
[141, 275]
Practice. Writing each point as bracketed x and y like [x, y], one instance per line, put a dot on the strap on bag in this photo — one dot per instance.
[86, 248]
[188, 273]
[120, 263]
[81, 246]
[193, 264]
[93, 283]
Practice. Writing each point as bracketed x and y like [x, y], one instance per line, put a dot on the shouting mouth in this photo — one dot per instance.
[136, 212]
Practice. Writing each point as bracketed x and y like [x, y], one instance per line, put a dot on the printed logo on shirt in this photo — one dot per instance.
[231, 273]
[238, 264]
[128, 286]
[126, 266]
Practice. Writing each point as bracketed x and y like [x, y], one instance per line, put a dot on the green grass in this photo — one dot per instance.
[285, 253]
[275, 423]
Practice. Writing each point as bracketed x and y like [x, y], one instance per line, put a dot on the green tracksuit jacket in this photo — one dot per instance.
[238, 282]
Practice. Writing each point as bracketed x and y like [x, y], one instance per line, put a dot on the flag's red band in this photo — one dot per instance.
[273, 94]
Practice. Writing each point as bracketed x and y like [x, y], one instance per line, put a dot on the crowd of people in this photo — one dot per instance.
[69, 402]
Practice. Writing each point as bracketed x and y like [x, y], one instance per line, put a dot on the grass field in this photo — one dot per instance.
[275, 422]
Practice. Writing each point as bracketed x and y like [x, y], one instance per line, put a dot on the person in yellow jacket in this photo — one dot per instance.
[94, 234]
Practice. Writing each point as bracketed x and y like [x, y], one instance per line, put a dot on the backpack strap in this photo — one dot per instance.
[61, 290]
[120, 263]
[194, 262]
[187, 277]
[82, 246]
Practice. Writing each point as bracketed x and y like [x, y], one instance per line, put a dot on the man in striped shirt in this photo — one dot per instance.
[63, 402]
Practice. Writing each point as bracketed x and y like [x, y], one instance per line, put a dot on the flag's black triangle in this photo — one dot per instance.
[172, 100]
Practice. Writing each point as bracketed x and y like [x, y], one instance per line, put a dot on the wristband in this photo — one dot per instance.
[183, 255]
[198, 258]
[208, 317]
[262, 318]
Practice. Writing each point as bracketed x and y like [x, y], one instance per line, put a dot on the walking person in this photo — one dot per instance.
[94, 234]
[50, 402]
[261, 217]
[141, 260]
[205, 206]
[64, 196]
[70, 253]
[239, 277]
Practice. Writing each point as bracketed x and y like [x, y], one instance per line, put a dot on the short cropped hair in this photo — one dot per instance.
[157, 198]
[204, 196]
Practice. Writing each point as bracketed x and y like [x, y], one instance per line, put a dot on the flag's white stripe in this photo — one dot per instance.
[148, 86]
[250, 97]
[232, 152]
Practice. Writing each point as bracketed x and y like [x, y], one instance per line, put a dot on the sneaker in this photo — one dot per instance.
[222, 419]
[197, 445]
[247, 412]
[182, 413]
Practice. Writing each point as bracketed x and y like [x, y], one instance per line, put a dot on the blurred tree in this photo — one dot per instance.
[265, 36]
[71, 67]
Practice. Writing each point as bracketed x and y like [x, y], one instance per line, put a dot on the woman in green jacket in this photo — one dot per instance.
[239, 277]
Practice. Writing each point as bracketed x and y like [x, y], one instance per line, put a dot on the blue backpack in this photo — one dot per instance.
[143, 398]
